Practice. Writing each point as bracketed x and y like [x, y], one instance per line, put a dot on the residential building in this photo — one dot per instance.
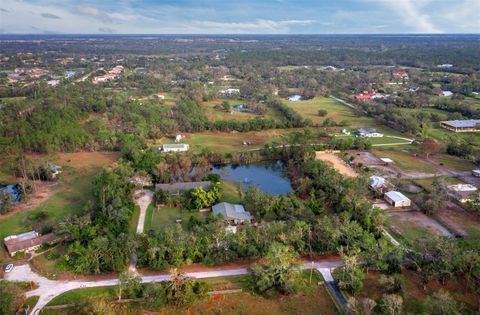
[368, 133]
[175, 147]
[397, 199]
[467, 125]
[177, 188]
[401, 74]
[232, 213]
[27, 242]
[141, 180]
[476, 173]
[229, 92]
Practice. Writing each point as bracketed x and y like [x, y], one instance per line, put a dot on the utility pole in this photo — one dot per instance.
[311, 272]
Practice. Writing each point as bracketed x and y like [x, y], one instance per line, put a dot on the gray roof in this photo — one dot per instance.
[174, 146]
[467, 123]
[231, 211]
[396, 196]
[366, 130]
[178, 187]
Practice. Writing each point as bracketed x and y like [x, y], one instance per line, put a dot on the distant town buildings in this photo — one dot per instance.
[401, 74]
[467, 125]
[112, 74]
[229, 92]
[445, 66]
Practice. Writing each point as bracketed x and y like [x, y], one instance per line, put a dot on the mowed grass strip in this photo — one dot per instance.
[405, 161]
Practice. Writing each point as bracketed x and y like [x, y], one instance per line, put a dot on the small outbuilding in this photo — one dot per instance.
[174, 147]
[377, 183]
[397, 199]
[476, 173]
[233, 213]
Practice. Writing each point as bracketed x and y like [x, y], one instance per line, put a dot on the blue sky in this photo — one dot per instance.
[240, 17]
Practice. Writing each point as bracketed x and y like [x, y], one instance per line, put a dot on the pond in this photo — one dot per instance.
[269, 176]
[298, 97]
[241, 108]
[15, 192]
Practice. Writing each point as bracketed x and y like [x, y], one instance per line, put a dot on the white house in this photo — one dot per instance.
[462, 192]
[397, 199]
[368, 133]
[476, 173]
[229, 92]
[175, 147]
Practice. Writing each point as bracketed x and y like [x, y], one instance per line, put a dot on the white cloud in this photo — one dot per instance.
[255, 27]
[411, 13]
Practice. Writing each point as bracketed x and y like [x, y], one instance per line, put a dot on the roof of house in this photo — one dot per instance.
[467, 123]
[387, 160]
[396, 196]
[175, 187]
[366, 130]
[175, 146]
[20, 244]
[231, 211]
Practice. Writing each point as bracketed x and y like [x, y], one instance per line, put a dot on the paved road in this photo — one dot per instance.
[334, 289]
[145, 198]
[48, 289]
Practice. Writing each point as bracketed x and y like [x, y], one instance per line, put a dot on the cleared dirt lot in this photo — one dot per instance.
[336, 162]
[464, 223]
[413, 225]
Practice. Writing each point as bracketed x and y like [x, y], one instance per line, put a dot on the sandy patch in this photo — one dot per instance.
[336, 162]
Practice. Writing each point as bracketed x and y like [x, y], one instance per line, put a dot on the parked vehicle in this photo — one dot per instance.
[8, 268]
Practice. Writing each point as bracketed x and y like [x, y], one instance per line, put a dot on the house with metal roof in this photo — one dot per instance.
[177, 188]
[397, 199]
[232, 213]
[467, 125]
[174, 147]
[368, 133]
[27, 242]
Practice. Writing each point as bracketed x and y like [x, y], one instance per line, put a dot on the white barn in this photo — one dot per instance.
[397, 199]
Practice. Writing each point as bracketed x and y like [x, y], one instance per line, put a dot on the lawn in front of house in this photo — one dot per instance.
[159, 218]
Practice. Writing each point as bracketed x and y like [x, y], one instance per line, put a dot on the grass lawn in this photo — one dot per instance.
[313, 300]
[229, 192]
[443, 134]
[405, 161]
[336, 111]
[132, 225]
[224, 142]
[454, 163]
[426, 183]
[159, 218]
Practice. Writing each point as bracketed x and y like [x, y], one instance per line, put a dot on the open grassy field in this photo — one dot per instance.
[336, 111]
[224, 142]
[426, 183]
[443, 134]
[413, 292]
[405, 160]
[69, 196]
[313, 300]
[454, 163]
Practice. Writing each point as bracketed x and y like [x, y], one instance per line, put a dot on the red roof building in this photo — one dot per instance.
[401, 74]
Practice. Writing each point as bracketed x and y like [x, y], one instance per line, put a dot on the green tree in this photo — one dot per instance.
[276, 274]
[128, 285]
[350, 276]
[390, 304]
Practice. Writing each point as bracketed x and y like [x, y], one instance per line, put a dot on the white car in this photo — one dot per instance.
[8, 268]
